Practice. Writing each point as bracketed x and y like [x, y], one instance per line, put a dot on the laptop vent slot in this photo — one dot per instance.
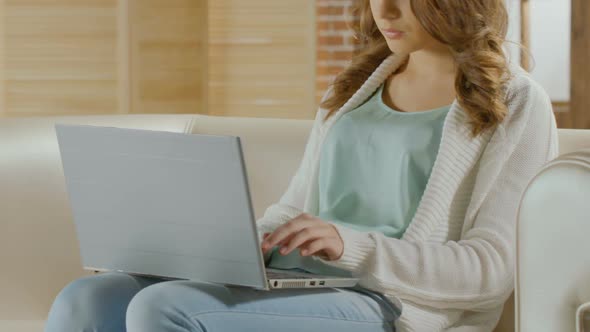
[293, 284]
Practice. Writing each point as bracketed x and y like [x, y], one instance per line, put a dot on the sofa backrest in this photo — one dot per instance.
[38, 243]
[272, 151]
[37, 236]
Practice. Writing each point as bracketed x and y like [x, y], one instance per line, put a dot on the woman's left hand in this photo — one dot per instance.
[312, 235]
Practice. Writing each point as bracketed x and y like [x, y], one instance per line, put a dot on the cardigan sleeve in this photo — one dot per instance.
[475, 273]
[291, 202]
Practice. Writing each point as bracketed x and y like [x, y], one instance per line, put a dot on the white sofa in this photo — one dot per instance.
[40, 251]
[553, 247]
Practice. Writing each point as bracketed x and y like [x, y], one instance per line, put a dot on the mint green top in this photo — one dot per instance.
[374, 166]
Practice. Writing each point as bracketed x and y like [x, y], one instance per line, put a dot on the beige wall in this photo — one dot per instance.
[223, 57]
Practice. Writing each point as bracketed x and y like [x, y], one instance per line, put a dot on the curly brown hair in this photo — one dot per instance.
[474, 31]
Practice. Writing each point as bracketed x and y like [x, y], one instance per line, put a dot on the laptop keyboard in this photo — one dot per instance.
[286, 275]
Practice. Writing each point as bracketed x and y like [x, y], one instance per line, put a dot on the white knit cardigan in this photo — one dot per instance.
[453, 269]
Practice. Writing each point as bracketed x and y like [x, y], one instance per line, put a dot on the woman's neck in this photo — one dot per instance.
[424, 82]
[428, 63]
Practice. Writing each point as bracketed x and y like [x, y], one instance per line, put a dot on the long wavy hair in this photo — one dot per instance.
[474, 31]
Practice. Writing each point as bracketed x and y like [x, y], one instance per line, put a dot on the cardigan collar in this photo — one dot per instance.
[458, 153]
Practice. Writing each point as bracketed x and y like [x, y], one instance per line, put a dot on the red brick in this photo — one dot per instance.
[332, 18]
[330, 40]
[335, 55]
[330, 10]
[340, 25]
[324, 26]
[332, 25]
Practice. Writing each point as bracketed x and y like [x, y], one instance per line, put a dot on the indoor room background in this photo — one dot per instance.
[255, 58]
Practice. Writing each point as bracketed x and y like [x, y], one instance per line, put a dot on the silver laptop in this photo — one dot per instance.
[171, 205]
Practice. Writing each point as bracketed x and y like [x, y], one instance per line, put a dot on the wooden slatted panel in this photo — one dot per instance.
[2, 57]
[579, 116]
[262, 58]
[168, 56]
[59, 57]
[525, 33]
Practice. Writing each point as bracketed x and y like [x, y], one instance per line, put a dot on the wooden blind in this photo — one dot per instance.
[58, 57]
[168, 56]
[579, 115]
[262, 58]
[222, 57]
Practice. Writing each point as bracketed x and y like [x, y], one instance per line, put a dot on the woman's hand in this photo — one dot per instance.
[310, 234]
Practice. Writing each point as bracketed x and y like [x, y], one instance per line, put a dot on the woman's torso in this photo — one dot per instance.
[374, 166]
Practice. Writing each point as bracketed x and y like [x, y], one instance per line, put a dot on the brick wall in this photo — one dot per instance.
[335, 41]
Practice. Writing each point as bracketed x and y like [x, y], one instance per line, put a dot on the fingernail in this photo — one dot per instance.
[304, 252]
[283, 250]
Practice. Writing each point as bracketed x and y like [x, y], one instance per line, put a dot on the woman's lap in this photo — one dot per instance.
[183, 305]
[93, 303]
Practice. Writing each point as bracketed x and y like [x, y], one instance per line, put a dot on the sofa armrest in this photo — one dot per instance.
[583, 318]
[553, 251]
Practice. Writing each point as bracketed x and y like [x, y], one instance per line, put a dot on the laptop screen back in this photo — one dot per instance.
[161, 203]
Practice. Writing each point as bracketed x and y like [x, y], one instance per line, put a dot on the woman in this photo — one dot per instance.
[410, 180]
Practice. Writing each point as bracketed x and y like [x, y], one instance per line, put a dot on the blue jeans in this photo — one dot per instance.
[117, 302]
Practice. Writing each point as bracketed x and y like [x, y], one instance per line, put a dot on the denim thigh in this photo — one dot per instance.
[95, 303]
[183, 306]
